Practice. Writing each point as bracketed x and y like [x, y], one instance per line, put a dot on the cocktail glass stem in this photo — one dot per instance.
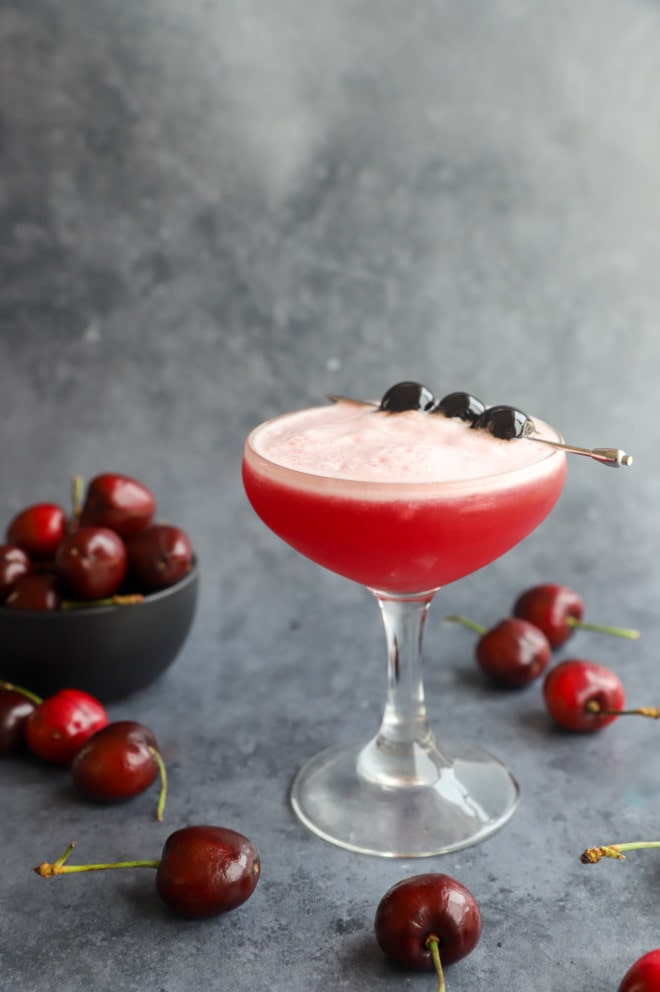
[402, 794]
[399, 754]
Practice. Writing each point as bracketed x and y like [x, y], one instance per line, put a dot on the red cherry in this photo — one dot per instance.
[203, 871]
[91, 563]
[118, 502]
[426, 921]
[557, 610]
[15, 708]
[159, 556]
[582, 695]
[643, 975]
[35, 591]
[513, 653]
[38, 529]
[118, 762]
[61, 724]
[14, 564]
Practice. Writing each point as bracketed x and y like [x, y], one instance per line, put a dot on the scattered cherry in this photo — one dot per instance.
[38, 530]
[15, 708]
[643, 975]
[583, 696]
[462, 406]
[59, 725]
[558, 611]
[159, 556]
[118, 762]
[119, 502]
[513, 652]
[427, 921]
[407, 396]
[91, 563]
[14, 564]
[203, 870]
[35, 591]
[504, 422]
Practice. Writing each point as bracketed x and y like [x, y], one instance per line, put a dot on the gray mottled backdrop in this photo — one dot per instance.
[211, 212]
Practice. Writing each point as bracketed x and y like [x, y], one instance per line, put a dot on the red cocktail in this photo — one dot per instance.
[402, 503]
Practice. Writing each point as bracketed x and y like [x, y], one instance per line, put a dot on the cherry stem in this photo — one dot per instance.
[470, 624]
[77, 492]
[433, 945]
[32, 696]
[127, 599]
[58, 867]
[596, 628]
[593, 706]
[163, 782]
[593, 855]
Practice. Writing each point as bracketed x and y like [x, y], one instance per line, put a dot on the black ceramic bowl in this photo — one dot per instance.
[108, 651]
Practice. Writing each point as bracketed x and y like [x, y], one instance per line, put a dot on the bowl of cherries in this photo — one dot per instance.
[101, 597]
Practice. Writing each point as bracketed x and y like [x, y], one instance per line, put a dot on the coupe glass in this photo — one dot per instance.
[402, 793]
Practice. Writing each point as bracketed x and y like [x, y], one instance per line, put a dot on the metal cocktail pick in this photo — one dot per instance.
[521, 426]
[613, 457]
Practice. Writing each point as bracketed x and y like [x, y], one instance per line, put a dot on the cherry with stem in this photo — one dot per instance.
[60, 724]
[558, 611]
[119, 762]
[203, 870]
[513, 653]
[426, 922]
[583, 696]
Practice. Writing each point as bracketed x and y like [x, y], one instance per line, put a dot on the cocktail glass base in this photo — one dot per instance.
[451, 796]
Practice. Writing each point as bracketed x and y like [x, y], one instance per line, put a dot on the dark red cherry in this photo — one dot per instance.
[159, 556]
[119, 502]
[205, 871]
[35, 591]
[505, 422]
[407, 396]
[91, 563]
[60, 725]
[513, 653]
[583, 696]
[117, 762]
[202, 871]
[462, 406]
[14, 564]
[427, 921]
[643, 975]
[557, 610]
[38, 529]
[15, 708]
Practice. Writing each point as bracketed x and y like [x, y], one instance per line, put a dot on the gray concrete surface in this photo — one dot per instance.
[214, 212]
